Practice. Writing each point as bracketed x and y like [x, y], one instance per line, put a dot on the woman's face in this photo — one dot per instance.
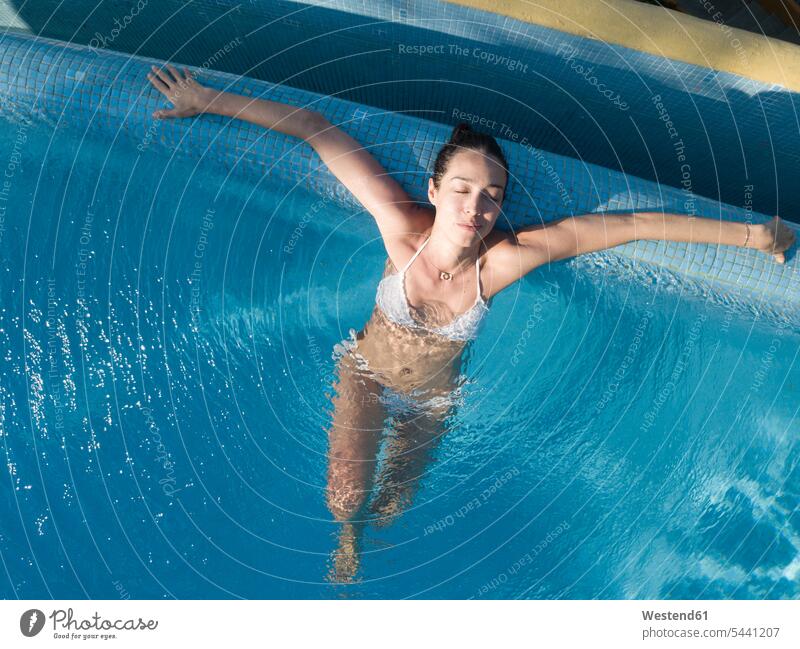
[469, 196]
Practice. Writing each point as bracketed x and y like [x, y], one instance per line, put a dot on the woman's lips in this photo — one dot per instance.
[471, 228]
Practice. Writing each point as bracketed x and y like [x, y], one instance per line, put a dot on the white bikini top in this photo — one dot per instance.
[392, 300]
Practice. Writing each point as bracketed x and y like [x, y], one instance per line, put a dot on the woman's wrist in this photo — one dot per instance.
[677, 227]
[211, 101]
[756, 236]
[742, 234]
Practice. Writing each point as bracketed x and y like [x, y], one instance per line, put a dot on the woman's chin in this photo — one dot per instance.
[468, 233]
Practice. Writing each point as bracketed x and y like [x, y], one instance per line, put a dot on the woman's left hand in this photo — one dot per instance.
[773, 238]
[187, 96]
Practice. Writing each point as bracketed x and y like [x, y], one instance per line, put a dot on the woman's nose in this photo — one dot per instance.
[472, 207]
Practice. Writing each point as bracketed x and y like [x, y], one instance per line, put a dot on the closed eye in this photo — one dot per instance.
[489, 196]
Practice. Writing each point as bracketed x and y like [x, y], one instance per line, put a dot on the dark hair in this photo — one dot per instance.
[463, 137]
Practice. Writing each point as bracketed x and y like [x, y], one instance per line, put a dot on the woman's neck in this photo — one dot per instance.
[444, 255]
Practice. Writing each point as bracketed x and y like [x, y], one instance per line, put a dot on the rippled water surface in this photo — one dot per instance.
[167, 335]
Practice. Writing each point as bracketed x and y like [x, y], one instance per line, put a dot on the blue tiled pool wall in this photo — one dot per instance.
[729, 138]
[106, 94]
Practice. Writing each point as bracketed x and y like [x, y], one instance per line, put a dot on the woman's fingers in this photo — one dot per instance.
[778, 238]
[179, 80]
[180, 89]
[161, 114]
[191, 78]
[790, 236]
[158, 83]
[164, 77]
[784, 236]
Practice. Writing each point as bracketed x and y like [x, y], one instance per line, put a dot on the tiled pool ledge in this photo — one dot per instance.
[663, 33]
[108, 94]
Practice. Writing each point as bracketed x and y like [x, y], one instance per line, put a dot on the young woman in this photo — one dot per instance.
[445, 263]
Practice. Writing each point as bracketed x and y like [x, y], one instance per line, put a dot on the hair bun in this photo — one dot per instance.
[459, 130]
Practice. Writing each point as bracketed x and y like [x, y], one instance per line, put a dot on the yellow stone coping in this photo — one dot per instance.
[662, 32]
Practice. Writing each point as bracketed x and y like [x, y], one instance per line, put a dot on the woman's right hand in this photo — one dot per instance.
[775, 238]
[187, 96]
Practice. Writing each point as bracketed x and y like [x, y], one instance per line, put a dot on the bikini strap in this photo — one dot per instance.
[411, 261]
[477, 267]
[478, 275]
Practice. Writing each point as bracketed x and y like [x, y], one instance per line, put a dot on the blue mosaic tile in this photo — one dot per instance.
[349, 49]
[112, 90]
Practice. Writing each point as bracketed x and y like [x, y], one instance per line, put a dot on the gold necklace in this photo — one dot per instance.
[443, 274]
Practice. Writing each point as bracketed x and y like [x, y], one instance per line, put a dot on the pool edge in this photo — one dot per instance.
[660, 32]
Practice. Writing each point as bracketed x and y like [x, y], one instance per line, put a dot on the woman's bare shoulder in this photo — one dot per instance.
[402, 245]
[499, 262]
[498, 247]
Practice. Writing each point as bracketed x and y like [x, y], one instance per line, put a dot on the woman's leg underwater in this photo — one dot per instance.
[353, 441]
[409, 451]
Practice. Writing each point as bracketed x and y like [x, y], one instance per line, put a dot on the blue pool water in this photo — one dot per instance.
[167, 335]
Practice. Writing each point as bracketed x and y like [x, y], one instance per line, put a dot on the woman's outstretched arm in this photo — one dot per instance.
[382, 196]
[190, 98]
[591, 232]
[537, 245]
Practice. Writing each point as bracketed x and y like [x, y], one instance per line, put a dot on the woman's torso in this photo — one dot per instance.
[417, 357]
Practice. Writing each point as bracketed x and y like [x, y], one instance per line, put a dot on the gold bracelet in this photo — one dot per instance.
[747, 238]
